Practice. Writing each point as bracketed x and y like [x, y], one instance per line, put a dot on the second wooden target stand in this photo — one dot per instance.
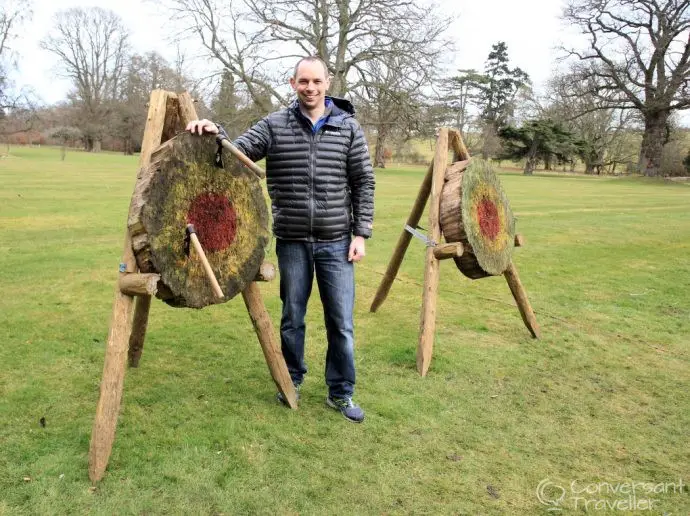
[468, 207]
[178, 183]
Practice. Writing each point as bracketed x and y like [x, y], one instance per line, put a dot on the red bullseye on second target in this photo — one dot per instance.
[489, 222]
[475, 212]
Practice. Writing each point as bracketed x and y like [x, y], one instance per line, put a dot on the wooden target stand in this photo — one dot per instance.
[168, 113]
[432, 186]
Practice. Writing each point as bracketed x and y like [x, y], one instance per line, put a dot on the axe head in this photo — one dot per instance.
[188, 237]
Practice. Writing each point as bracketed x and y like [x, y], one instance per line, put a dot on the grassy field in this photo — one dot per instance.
[599, 403]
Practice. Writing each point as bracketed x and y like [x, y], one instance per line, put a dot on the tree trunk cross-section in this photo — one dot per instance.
[475, 212]
[183, 185]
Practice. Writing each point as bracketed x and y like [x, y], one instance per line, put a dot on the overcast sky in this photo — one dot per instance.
[531, 29]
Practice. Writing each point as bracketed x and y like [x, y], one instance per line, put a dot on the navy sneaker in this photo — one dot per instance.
[347, 408]
[283, 400]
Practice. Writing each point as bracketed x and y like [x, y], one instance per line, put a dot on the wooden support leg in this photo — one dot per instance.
[139, 326]
[427, 325]
[518, 291]
[403, 242]
[165, 112]
[269, 344]
[112, 383]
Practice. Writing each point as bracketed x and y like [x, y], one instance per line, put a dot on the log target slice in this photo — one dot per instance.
[476, 212]
[181, 186]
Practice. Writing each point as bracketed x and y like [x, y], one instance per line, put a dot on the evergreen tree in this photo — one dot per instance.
[539, 140]
[500, 86]
[492, 93]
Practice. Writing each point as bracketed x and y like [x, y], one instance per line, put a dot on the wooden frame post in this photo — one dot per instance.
[112, 383]
[403, 241]
[427, 324]
[160, 125]
[520, 295]
[126, 335]
[269, 345]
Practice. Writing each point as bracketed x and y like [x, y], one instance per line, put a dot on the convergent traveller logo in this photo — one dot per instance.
[606, 496]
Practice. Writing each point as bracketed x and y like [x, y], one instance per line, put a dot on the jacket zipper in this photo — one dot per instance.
[312, 147]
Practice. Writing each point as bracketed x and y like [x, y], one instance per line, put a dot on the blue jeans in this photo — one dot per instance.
[297, 262]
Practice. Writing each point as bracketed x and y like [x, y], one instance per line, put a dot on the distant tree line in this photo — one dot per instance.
[612, 110]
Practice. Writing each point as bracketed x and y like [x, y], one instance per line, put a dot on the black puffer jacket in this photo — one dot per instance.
[321, 184]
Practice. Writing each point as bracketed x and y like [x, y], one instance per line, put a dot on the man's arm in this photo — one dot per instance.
[361, 180]
[360, 176]
[256, 141]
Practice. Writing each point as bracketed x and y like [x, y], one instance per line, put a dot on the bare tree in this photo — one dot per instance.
[257, 40]
[11, 16]
[92, 47]
[600, 129]
[228, 36]
[142, 74]
[13, 13]
[393, 97]
[348, 34]
[639, 56]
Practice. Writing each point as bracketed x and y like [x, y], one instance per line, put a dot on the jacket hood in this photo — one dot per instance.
[343, 104]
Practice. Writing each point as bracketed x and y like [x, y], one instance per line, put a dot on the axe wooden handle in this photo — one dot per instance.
[260, 173]
[204, 261]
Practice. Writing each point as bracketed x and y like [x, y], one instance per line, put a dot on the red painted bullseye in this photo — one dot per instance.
[215, 221]
[489, 222]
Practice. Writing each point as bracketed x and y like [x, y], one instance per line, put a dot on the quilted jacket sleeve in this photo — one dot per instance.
[361, 181]
[256, 141]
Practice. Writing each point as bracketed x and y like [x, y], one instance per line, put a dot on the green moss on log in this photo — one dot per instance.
[186, 186]
[487, 217]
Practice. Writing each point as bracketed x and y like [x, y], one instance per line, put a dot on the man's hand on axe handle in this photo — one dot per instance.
[208, 127]
[202, 127]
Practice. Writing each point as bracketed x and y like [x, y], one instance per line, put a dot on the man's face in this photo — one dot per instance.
[310, 84]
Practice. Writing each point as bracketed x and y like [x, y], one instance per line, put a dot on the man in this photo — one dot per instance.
[321, 185]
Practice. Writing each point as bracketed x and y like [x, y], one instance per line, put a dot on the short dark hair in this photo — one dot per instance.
[311, 59]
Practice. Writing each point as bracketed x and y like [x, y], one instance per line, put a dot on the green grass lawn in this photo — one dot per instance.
[600, 401]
